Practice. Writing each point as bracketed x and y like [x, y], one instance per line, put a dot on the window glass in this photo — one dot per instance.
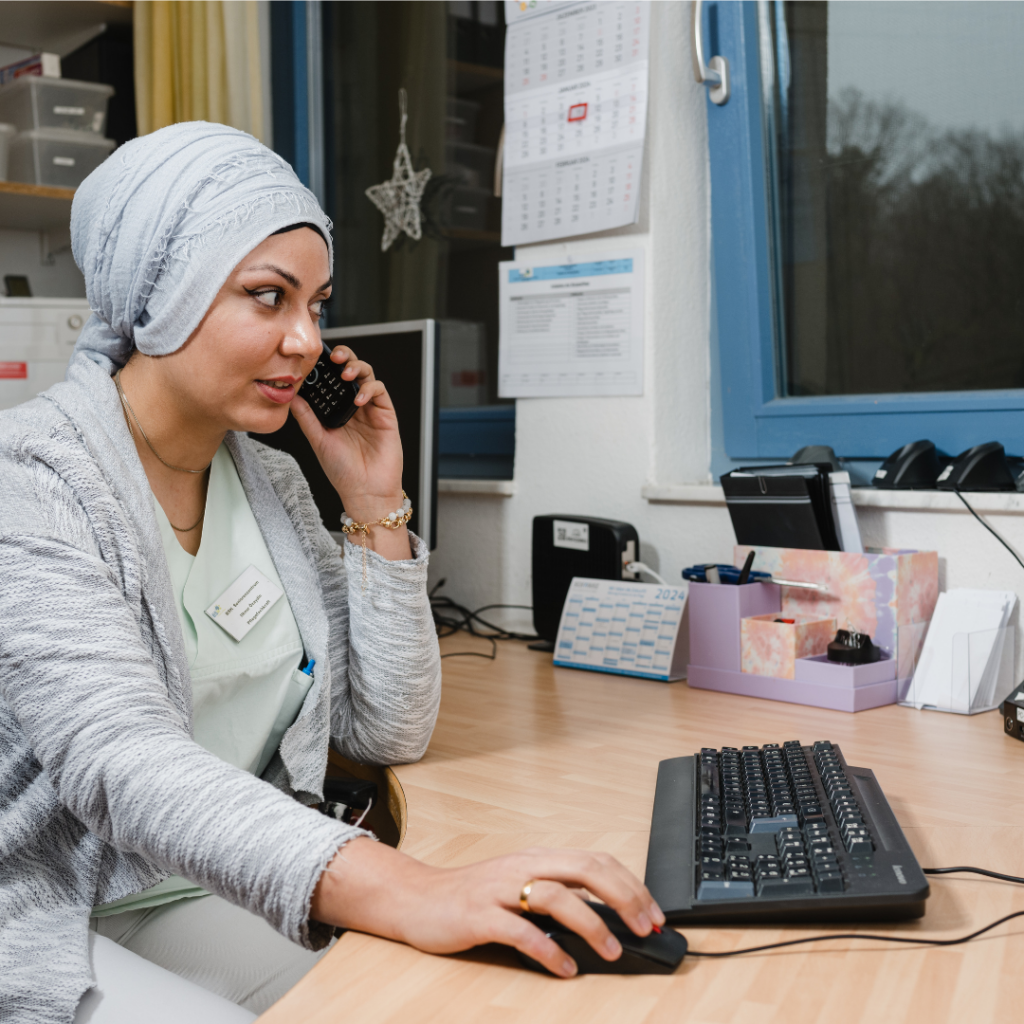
[896, 133]
[449, 58]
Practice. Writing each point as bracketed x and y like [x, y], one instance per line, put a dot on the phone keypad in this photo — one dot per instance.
[330, 396]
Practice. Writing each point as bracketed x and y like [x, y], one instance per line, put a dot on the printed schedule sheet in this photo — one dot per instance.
[571, 329]
[575, 116]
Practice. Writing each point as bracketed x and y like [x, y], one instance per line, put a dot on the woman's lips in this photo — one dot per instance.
[282, 395]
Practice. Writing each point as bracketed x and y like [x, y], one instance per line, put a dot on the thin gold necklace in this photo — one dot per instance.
[126, 407]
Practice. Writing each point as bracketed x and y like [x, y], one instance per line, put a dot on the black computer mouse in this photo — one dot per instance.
[661, 952]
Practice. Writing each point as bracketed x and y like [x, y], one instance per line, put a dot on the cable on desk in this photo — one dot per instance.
[859, 935]
[956, 491]
[463, 618]
[976, 871]
[893, 938]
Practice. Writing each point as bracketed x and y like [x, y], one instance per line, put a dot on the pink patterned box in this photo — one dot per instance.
[874, 593]
[770, 648]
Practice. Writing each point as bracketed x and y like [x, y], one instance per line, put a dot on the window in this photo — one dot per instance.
[448, 58]
[868, 225]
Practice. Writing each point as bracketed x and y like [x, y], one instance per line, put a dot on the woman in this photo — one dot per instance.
[155, 767]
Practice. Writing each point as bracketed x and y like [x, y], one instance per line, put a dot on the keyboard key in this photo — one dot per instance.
[860, 845]
[831, 883]
[782, 888]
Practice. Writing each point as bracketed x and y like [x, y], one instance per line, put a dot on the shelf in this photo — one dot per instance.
[470, 235]
[25, 207]
[492, 488]
[1004, 503]
[471, 78]
[59, 26]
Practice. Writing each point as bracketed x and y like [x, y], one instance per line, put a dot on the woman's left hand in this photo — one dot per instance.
[363, 459]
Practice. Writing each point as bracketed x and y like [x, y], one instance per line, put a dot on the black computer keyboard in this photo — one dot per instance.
[777, 833]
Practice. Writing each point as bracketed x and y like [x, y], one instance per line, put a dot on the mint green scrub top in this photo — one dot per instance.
[245, 693]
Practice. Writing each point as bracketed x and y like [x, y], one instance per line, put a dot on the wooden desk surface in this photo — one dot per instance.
[525, 754]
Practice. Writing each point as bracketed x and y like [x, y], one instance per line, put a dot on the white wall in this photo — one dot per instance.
[21, 253]
[593, 455]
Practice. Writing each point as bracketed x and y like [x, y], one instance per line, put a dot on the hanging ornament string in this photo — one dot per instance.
[399, 198]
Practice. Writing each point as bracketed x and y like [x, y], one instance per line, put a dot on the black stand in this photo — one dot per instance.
[542, 645]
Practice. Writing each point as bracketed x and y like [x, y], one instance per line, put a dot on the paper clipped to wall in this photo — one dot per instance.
[575, 117]
[627, 629]
[572, 329]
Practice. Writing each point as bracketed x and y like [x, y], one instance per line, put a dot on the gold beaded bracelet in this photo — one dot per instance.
[392, 521]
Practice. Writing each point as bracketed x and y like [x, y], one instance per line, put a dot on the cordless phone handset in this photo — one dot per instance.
[330, 396]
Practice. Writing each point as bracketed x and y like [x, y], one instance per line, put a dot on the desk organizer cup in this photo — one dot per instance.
[770, 646]
[875, 593]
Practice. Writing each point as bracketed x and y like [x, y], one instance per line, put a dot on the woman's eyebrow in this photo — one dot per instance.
[327, 284]
[290, 278]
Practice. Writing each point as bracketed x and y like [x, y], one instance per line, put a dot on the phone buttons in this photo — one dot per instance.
[313, 376]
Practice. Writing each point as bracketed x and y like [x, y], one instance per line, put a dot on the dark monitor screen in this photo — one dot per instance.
[404, 356]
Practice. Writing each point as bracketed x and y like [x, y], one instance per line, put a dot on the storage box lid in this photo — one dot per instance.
[40, 82]
[66, 136]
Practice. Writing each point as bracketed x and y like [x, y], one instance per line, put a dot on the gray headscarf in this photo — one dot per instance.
[157, 228]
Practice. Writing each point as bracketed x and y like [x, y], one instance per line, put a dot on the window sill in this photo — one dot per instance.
[458, 485]
[864, 497]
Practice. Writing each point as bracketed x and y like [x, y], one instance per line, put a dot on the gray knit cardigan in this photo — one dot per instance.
[103, 792]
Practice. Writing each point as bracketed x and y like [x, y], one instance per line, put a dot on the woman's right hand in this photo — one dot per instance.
[370, 887]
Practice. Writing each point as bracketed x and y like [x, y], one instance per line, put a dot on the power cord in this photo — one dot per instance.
[889, 938]
[956, 490]
[977, 871]
[861, 935]
[450, 617]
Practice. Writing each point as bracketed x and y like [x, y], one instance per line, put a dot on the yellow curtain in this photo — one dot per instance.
[198, 60]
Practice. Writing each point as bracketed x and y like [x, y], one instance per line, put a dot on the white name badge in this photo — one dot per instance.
[244, 603]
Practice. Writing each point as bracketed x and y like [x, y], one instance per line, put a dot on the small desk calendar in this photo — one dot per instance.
[628, 629]
[575, 116]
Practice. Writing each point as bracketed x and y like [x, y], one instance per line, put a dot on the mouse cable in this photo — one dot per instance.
[976, 871]
[956, 491]
[860, 935]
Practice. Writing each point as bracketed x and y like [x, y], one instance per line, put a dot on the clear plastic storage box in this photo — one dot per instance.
[6, 134]
[33, 102]
[460, 123]
[472, 164]
[49, 156]
[465, 208]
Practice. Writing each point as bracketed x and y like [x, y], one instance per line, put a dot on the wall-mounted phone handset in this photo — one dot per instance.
[330, 396]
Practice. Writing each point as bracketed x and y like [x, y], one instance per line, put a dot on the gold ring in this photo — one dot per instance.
[524, 895]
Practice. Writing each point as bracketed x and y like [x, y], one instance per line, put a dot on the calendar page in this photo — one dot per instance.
[628, 629]
[575, 116]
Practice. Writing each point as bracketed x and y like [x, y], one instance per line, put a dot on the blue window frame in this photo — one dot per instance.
[756, 422]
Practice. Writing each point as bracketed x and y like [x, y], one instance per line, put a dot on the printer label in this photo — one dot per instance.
[572, 535]
[1020, 714]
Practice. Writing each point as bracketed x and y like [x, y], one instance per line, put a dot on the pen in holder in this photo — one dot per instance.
[971, 672]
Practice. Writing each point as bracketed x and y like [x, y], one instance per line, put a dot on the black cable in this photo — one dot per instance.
[976, 871]
[956, 491]
[891, 938]
[859, 935]
[450, 617]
